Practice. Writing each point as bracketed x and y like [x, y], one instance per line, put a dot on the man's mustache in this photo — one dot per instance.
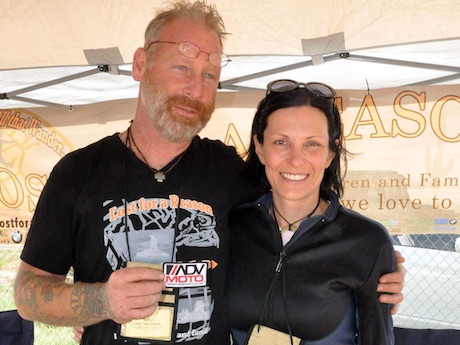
[196, 105]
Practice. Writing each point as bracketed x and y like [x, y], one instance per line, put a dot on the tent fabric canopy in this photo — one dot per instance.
[80, 52]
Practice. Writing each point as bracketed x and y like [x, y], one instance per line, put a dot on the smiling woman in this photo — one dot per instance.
[295, 153]
[296, 249]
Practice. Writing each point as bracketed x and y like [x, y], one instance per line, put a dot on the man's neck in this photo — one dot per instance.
[151, 145]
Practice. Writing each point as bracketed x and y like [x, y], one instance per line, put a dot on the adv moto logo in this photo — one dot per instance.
[185, 274]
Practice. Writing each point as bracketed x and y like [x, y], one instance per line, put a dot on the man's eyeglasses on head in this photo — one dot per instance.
[286, 85]
[192, 51]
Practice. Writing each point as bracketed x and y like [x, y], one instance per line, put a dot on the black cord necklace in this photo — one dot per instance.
[159, 175]
[126, 217]
[291, 226]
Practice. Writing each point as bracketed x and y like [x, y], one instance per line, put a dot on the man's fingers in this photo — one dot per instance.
[399, 258]
[134, 274]
[77, 334]
[134, 292]
[395, 298]
[141, 302]
[137, 314]
[390, 288]
[394, 277]
[394, 309]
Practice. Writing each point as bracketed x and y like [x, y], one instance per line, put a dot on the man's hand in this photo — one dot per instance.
[134, 293]
[130, 293]
[392, 284]
[77, 334]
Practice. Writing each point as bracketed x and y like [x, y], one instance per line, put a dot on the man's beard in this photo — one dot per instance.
[159, 108]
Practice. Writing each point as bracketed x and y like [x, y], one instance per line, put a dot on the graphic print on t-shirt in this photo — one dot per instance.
[151, 224]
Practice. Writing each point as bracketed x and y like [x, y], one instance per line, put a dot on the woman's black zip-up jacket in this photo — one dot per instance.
[333, 261]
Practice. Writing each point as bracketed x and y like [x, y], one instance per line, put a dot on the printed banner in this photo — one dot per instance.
[404, 171]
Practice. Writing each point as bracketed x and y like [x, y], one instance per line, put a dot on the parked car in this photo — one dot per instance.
[447, 242]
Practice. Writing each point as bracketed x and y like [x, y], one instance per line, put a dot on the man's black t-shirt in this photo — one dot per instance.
[101, 207]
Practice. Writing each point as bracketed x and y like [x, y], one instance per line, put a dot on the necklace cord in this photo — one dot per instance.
[176, 159]
[125, 170]
[129, 139]
[299, 220]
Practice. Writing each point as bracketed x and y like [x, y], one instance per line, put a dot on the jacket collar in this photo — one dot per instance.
[331, 211]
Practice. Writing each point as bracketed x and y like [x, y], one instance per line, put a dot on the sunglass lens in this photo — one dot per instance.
[283, 86]
[321, 90]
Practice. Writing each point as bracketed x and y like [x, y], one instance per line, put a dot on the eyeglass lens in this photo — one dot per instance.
[192, 51]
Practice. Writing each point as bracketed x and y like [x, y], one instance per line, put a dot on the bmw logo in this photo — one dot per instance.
[16, 236]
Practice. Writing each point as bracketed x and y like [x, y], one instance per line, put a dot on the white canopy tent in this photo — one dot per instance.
[73, 53]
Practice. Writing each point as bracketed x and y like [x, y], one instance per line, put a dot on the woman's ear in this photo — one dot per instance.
[259, 150]
[139, 64]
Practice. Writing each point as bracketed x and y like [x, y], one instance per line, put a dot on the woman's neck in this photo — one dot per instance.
[291, 213]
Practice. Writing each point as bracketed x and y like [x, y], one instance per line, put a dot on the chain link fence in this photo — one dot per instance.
[44, 334]
[431, 293]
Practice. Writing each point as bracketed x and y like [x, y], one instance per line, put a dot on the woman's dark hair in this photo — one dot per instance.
[332, 179]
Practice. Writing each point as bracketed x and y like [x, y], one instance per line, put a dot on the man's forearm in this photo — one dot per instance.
[48, 299]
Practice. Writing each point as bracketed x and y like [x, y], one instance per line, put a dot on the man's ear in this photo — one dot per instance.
[259, 150]
[139, 64]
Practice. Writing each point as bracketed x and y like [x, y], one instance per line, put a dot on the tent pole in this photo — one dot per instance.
[230, 83]
[12, 94]
[404, 63]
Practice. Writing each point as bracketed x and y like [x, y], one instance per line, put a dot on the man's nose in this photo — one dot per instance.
[194, 88]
